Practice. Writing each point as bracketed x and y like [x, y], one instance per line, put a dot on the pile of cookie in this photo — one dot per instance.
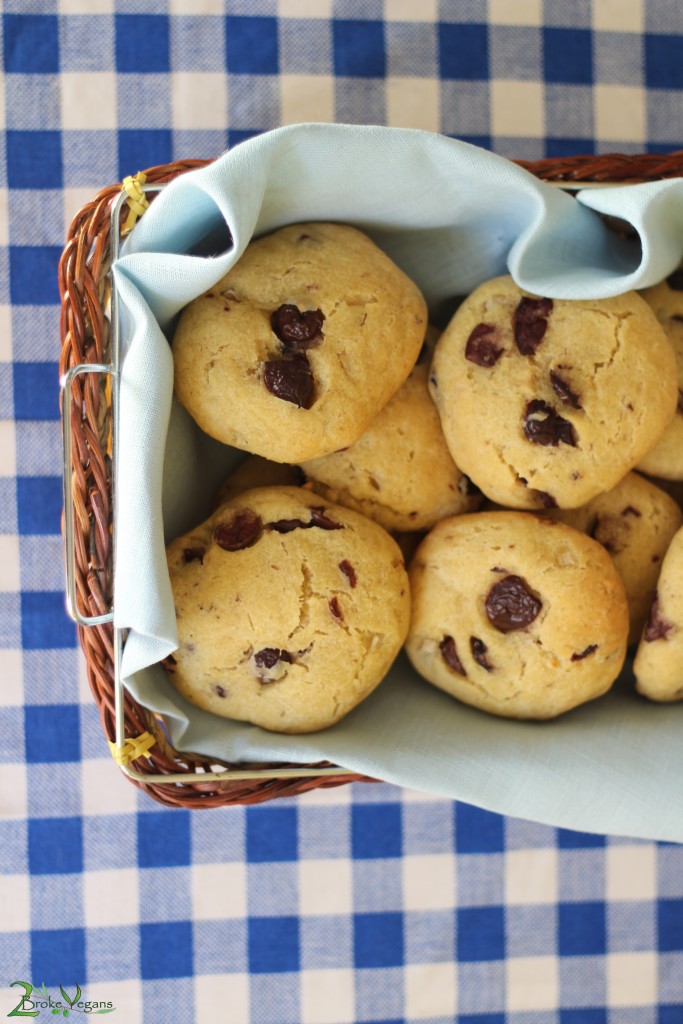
[495, 458]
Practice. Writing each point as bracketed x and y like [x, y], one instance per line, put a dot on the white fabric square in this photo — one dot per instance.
[306, 98]
[413, 103]
[89, 98]
[517, 108]
[74, 201]
[12, 686]
[86, 7]
[430, 991]
[532, 983]
[327, 997]
[230, 991]
[337, 796]
[325, 887]
[13, 794]
[631, 872]
[219, 891]
[111, 897]
[10, 577]
[199, 100]
[631, 979]
[619, 15]
[104, 788]
[521, 12]
[531, 876]
[619, 113]
[408, 10]
[125, 995]
[8, 448]
[304, 8]
[15, 900]
[428, 882]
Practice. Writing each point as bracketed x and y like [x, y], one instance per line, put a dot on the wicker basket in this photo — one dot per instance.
[84, 290]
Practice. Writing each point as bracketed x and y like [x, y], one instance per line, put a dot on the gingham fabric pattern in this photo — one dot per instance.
[358, 904]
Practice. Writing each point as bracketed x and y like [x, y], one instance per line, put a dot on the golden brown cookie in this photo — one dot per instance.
[290, 611]
[517, 615]
[666, 301]
[257, 472]
[297, 349]
[547, 402]
[658, 664]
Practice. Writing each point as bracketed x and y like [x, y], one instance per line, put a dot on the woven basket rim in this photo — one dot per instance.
[84, 292]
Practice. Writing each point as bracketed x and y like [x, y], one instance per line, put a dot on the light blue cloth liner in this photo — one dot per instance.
[451, 216]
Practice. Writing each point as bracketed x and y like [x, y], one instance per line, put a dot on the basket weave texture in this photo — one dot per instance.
[85, 289]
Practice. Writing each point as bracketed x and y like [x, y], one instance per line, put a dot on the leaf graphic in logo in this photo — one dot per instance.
[110, 1010]
[75, 998]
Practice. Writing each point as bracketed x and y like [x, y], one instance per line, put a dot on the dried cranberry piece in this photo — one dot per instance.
[449, 653]
[349, 572]
[631, 511]
[290, 379]
[268, 657]
[287, 525]
[675, 280]
[296, 330]
[481, 347]
[563, 391]
[335, 608]
[657, 628]
[511, 604]
[319, 519]
[193, 555]
[547, 500]
[220, 692]
[542, 425]
[240, 532]
[531, 322]
[584, 653]
[479, 651]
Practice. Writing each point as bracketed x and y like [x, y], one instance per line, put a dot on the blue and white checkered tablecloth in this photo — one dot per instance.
[364, 903]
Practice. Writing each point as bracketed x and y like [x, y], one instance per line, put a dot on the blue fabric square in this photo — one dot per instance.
[33, 274]
[586, 1015]
[166, 950]
[163, 839]
[36, 394]
[272, 834]
[567, 839]
[34, 159]
[358, 49]
[463, 51]
[670, 925]
[52, 733]
[581, 929]
[663, 65]
[378, 940]
[568, 55]
[376, 830]
[142, 43]
[478, 831]
[482, 1018]
[480, 933]
[140, 149]
[39, 504]
[58, 957]
[237, 135]
[44, 622]
[666, 1015]
[31, 43]
[569, 147]
[251, 46]
[274, 945]
[55, 846]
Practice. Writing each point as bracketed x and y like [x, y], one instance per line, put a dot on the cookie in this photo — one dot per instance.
[399, 472]
[297, 349]
[547, 403]
[635, 523]
[658, 664]
[517, 615]
[666, 301]
[289, 611]
[257, 472]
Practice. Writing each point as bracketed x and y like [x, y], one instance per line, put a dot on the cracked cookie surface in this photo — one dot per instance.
[290, 611]
[546, 403]
[517, 615]
[399, 472]
[658, 664]
[295, 351]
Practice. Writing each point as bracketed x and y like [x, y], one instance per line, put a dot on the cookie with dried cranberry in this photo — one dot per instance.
[546, 402]
[399, 472]
[297, 349]
[290, 611]
[635, 522]
[666, 300]
[517, 615]
[257, 472]
[658, 664]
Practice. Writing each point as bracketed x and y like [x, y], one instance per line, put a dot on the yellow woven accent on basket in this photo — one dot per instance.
[137, 200]
[133, 748]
